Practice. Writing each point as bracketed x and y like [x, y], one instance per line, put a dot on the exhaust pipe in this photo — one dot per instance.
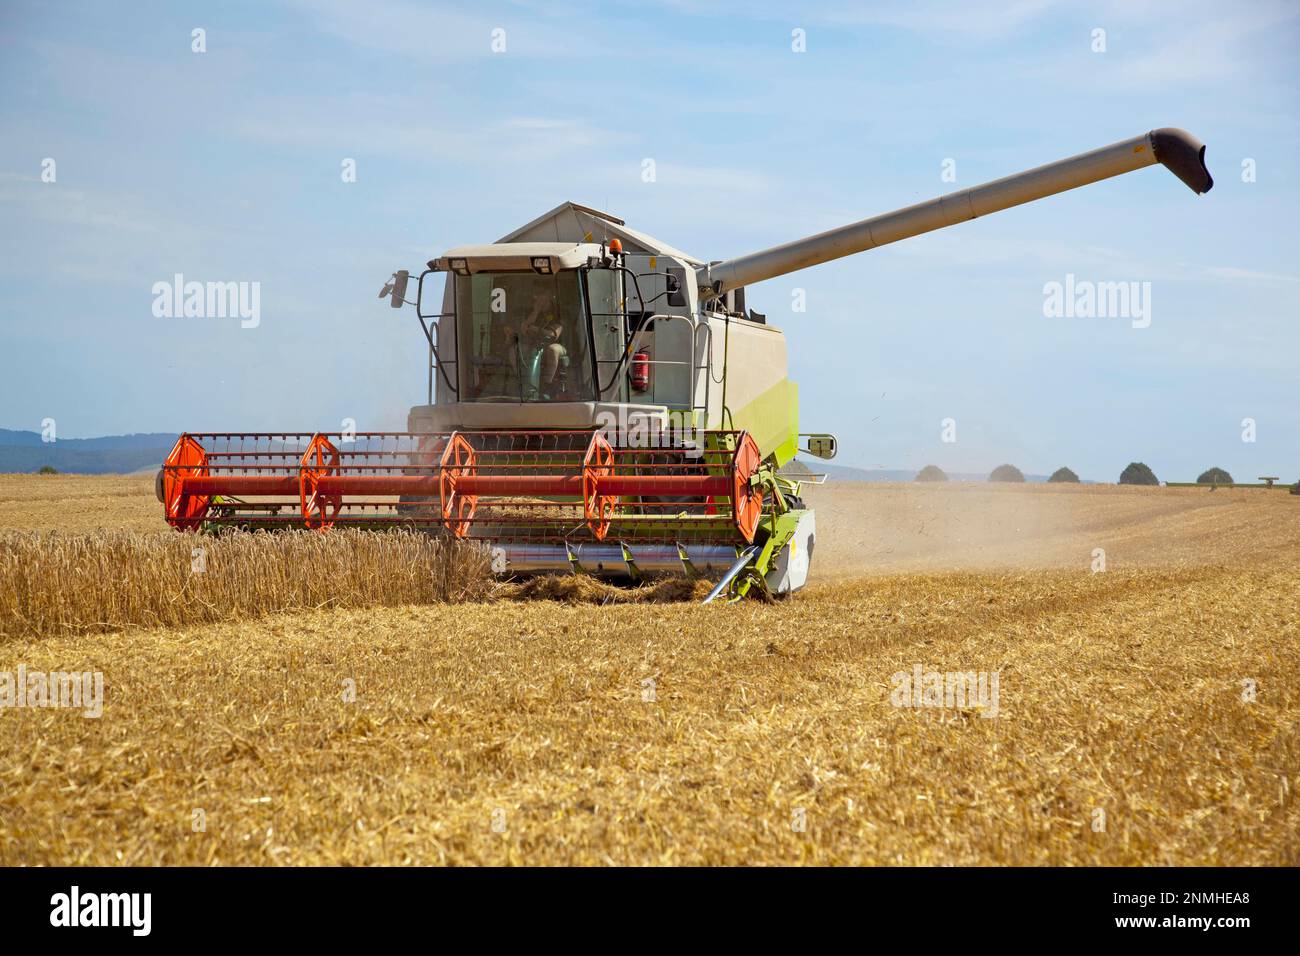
[1178, 150]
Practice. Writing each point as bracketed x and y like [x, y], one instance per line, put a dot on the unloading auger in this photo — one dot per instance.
[598, 401]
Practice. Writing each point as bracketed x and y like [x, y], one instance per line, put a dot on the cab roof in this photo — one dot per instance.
[517, 256]
[577, 223]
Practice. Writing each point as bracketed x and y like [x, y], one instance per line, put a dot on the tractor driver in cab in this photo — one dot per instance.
[544, 361]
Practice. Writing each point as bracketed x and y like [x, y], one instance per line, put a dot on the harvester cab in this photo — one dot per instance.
[597, 400]
[553, 340]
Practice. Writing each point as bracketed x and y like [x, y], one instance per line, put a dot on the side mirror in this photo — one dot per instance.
[395, 289]
[673, 280]
[821, 446]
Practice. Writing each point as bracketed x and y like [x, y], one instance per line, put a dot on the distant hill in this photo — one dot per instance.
[844, 472]
[22, 451]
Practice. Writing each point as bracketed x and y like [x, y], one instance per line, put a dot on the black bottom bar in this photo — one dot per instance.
[920, 908]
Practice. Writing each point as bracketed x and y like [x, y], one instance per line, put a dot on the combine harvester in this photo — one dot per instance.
[598, 401]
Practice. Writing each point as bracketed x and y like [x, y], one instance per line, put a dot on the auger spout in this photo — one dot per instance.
[1181, 152]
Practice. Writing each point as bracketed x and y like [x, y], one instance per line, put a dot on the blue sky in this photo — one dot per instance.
[225, 166]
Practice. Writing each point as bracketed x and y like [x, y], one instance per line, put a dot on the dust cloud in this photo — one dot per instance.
[866, 528]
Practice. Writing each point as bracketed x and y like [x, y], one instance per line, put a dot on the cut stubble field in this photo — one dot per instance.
[1145, 715]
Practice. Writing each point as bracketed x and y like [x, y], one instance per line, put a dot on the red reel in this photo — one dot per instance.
[184, 512]
[747, 502]
[320, 459]
[457, 462]
[598, 509]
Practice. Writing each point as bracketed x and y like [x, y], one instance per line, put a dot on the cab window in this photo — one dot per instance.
[526, 338]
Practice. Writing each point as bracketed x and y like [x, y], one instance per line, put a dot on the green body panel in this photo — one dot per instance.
[773, 419]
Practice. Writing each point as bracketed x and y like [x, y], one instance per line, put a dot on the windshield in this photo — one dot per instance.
[525, 337]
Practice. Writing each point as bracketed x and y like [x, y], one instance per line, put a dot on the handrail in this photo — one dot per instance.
[695, 366]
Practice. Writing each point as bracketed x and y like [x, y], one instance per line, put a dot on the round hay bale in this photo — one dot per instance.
[931, 473]
[1214, 476]
[1006, 473]
[1064, 474]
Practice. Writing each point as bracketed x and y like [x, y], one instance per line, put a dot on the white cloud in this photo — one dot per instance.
[31, 199]
[1233, 273]
[408, 129]
[935, 17]
[981, 21]
[444, 33]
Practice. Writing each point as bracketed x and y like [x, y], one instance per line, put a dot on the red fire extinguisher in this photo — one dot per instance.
[641, 371]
